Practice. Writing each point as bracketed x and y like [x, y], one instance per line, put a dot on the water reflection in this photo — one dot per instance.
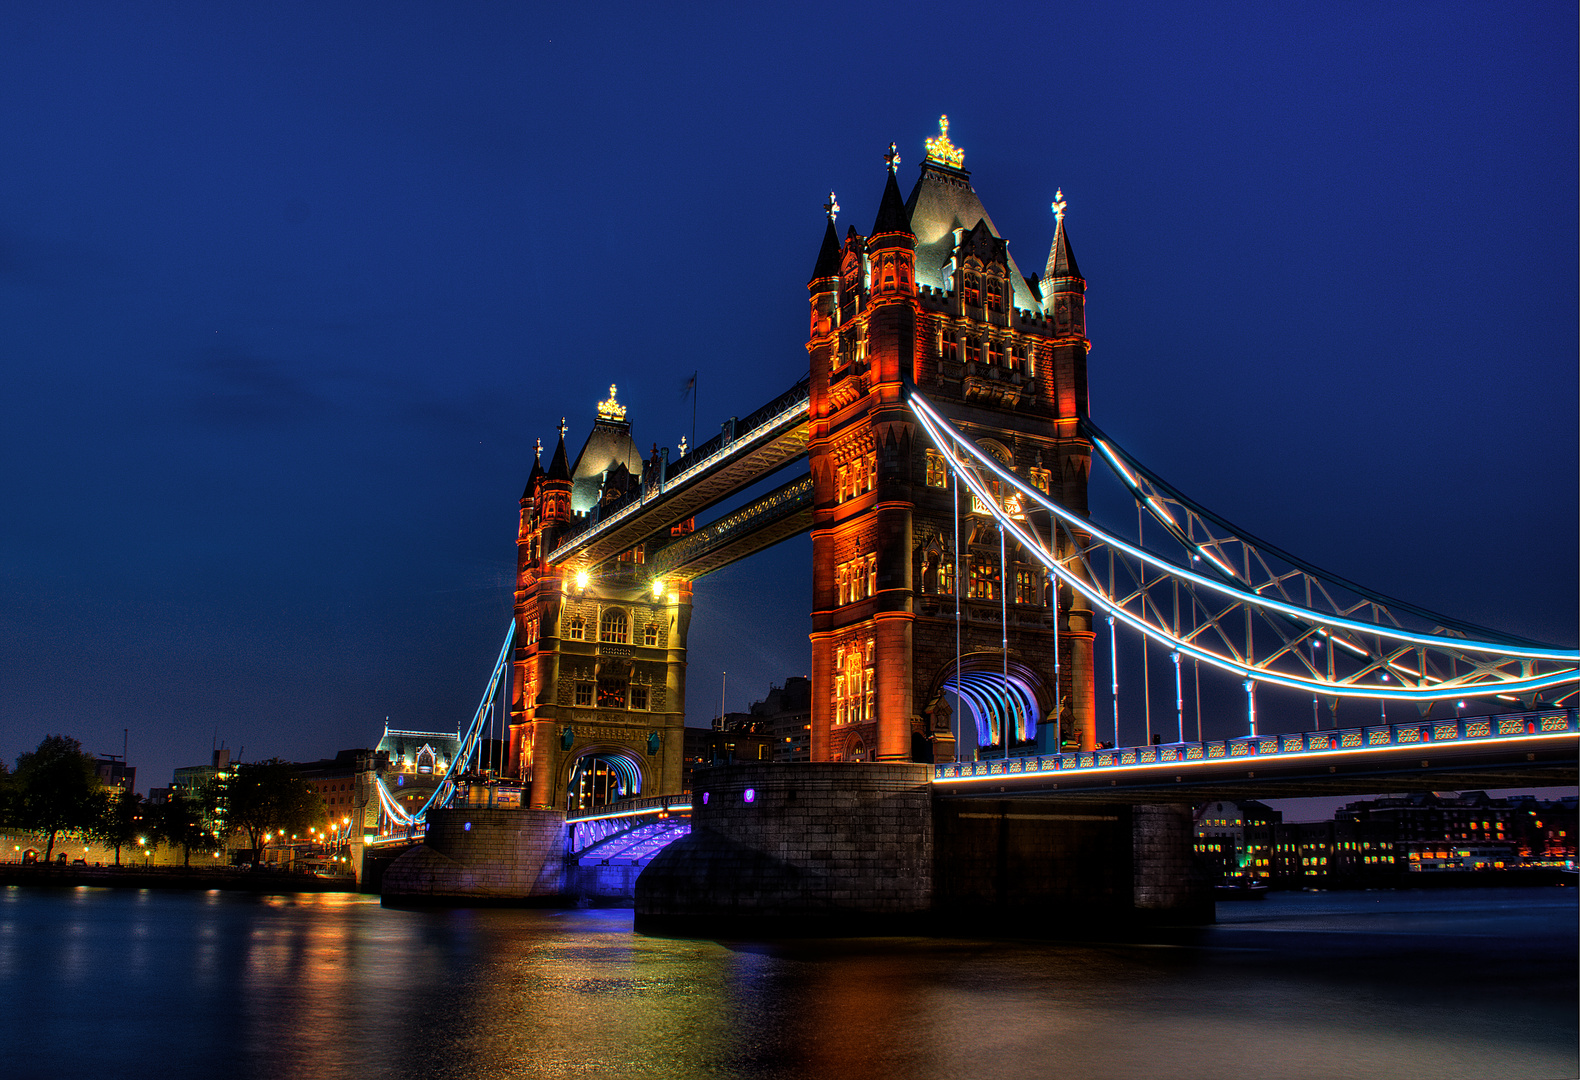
[1463, 984]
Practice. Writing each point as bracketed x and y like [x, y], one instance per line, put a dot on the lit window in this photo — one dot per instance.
[650, 634]
[984, 583]
[937, 472]
[1041, 479]
[613, 627]
[973, 295]
[973, 350]
[611, 694]
[577, 629]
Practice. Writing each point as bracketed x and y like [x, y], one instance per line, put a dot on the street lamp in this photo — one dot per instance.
[1316, 717]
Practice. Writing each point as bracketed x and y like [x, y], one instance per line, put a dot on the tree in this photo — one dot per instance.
[57, 789]
[269, 795]
[180, 822]
[120, 820]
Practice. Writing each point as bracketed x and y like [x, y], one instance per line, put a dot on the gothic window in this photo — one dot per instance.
[973, 290]
[532, 631]
[995, 294]
[888, 272]
[847, 347]
[872, 471]
[614, 627]
[650, 634]
[577, 630]
[946, 575]
[584, 694]
[937, 473]
[1041, 479]
[984, 583]
[1028, 587]
[1017, 358]
[638, 697]
[995, 353]
[949, 349]
[872, 575]
[611, 694]
[973, 350]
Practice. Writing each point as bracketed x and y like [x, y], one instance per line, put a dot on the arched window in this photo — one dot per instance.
[614, 627]
[577, 629]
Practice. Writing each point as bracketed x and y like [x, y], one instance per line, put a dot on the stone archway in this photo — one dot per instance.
[601, 774]
[992, 699]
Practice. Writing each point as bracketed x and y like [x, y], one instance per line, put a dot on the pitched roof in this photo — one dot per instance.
[941, 202]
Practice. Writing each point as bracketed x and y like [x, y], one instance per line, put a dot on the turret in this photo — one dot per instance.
[891, 249]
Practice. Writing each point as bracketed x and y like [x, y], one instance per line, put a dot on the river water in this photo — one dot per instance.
[1434, 984]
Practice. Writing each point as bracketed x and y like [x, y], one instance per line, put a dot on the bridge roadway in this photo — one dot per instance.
[743, 453]
[1535, 749]
[1530, 749]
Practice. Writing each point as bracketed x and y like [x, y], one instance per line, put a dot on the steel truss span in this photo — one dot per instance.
[1244, 606]
[461, 763]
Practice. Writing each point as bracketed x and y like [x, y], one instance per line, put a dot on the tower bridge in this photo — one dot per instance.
[959, 583]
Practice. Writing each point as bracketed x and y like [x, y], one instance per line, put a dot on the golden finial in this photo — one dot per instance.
[942, 150]
[893, 157]
[831, 208]
[1058, 208]
[563, 426]
[611, 409]
[682, 452]
[540, 448]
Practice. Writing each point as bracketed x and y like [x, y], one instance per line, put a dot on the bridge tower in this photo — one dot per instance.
[599, 671]
[932, 298]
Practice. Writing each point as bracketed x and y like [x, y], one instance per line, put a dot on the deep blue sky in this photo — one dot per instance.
[287, 292]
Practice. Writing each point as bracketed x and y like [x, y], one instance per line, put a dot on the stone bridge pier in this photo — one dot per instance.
[866, 848]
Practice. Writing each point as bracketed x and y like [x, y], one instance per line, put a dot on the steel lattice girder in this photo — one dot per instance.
[1245, 621]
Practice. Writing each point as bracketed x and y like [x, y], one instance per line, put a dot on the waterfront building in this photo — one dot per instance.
[346, 784]
[1236, 839]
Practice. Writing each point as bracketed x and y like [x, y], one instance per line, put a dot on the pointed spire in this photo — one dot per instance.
[827, 265]
[559, 468]
[537, 471]
[1061, 259]
[892, 215]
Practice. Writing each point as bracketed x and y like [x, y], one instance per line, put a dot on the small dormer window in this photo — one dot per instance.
[577, 630]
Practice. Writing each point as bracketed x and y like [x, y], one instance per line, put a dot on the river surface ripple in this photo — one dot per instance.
[1431, 984]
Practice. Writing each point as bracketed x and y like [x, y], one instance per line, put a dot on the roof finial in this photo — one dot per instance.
[611, 409]
[563, 425]
[1058, 207]
[540, 448]
[893, 157]
[831, 208]
[682, 452]
[944, 151]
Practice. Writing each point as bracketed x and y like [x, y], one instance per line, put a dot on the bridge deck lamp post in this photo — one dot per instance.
[1250, 704]
[1179, 695]
[1383, 676]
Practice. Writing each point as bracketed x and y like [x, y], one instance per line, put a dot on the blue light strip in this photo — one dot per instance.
[943, 434]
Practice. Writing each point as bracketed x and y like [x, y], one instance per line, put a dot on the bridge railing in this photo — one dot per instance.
[587, 827]
[1412, 733]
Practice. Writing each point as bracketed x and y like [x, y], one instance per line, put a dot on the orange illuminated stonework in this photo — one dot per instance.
[597, 708]
[932, 297]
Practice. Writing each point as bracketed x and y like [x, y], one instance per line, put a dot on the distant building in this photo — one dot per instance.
[788, 711]
[740, 741]
[1236, 839]
[115, 773]
[346, 784]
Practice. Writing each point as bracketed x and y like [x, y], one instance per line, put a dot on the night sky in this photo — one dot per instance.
[288, 291]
